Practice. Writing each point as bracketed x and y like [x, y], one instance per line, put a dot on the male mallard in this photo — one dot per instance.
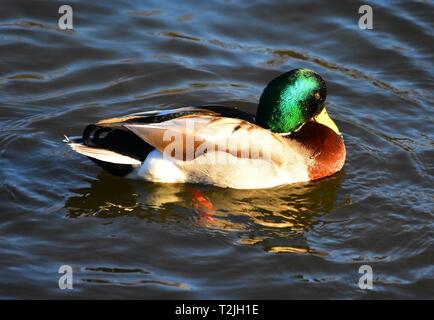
[291, 139]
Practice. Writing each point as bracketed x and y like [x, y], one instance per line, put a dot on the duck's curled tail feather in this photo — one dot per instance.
[115, 149]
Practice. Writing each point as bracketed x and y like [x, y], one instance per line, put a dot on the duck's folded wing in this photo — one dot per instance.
[113, 133]
[188, 137]
[112, 145]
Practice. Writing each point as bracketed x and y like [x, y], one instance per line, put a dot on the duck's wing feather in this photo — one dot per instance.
[188, 137]
[112, 135]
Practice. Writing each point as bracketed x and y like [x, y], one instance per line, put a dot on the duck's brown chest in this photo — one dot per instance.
[325, 149]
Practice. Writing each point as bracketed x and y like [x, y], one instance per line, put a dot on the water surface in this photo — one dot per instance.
[131, 239]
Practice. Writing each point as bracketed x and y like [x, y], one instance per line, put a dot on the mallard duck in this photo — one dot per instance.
[291, 139]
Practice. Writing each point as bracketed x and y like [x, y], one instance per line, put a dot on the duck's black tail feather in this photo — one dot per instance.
[116, 139]
[116, 150]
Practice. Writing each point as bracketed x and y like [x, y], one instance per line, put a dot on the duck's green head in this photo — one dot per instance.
[290, 100]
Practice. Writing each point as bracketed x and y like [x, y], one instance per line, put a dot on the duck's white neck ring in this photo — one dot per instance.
[285, 134]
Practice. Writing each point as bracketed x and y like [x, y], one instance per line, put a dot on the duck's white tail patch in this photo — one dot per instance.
[103, 154]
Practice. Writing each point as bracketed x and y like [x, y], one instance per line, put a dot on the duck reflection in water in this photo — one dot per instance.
[276, 219]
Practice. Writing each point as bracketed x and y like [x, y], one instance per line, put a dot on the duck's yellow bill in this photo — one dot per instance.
[325, 119]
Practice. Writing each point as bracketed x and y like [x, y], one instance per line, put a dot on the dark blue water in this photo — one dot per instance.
[130, 239]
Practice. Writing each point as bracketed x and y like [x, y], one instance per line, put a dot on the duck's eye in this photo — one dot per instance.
[317, 96]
